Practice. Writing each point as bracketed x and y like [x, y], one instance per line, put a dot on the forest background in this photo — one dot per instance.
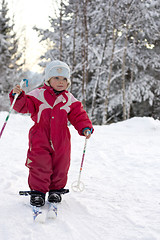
[111, 46]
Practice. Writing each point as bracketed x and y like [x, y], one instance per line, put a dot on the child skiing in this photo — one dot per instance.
[51, 106]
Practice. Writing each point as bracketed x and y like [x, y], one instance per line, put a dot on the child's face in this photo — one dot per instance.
[58, 83]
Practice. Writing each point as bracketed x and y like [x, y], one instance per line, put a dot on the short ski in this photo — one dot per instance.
[39, 214]
[49, 210]
[52, 210]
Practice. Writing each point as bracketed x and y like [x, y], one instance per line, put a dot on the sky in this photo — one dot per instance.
[29, 13]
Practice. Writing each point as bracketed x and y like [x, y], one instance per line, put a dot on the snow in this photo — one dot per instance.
[121, 173]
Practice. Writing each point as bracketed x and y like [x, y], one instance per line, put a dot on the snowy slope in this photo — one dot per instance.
[121, 172]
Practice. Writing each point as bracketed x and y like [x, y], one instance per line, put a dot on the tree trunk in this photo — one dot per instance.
[84, 36]
[114, 36]
[132, 76]
[98, 72]
[61, 32]
[123, 75]
[124, 63]
[105, 112]
[74, 44]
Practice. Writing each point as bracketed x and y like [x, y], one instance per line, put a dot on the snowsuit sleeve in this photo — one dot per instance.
[79, 118]
[24, 103]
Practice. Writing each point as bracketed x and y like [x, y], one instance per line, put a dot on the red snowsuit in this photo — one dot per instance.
[48, 157]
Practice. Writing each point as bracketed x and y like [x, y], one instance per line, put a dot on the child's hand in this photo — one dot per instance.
[87, 133]
[17, 89]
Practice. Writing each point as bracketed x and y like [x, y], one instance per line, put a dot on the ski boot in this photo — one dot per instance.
[37, 199]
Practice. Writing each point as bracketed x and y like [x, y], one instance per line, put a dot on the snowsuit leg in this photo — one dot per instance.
[61, 164]
[40, 169]
[48, 170]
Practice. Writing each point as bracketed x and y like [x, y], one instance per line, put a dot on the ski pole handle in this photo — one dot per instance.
[16, 95]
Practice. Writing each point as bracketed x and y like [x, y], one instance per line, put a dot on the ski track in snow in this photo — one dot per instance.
[121, 172]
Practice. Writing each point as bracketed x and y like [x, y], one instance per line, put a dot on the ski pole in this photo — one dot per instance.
[78, 186]
[10, 110]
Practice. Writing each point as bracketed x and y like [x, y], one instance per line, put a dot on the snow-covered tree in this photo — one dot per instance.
[112, 48]
[139, 33]
[8, 52]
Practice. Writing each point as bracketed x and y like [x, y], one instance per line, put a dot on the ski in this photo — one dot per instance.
[52, 210]
[41, 214]
[49, 210]
[38, 214]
